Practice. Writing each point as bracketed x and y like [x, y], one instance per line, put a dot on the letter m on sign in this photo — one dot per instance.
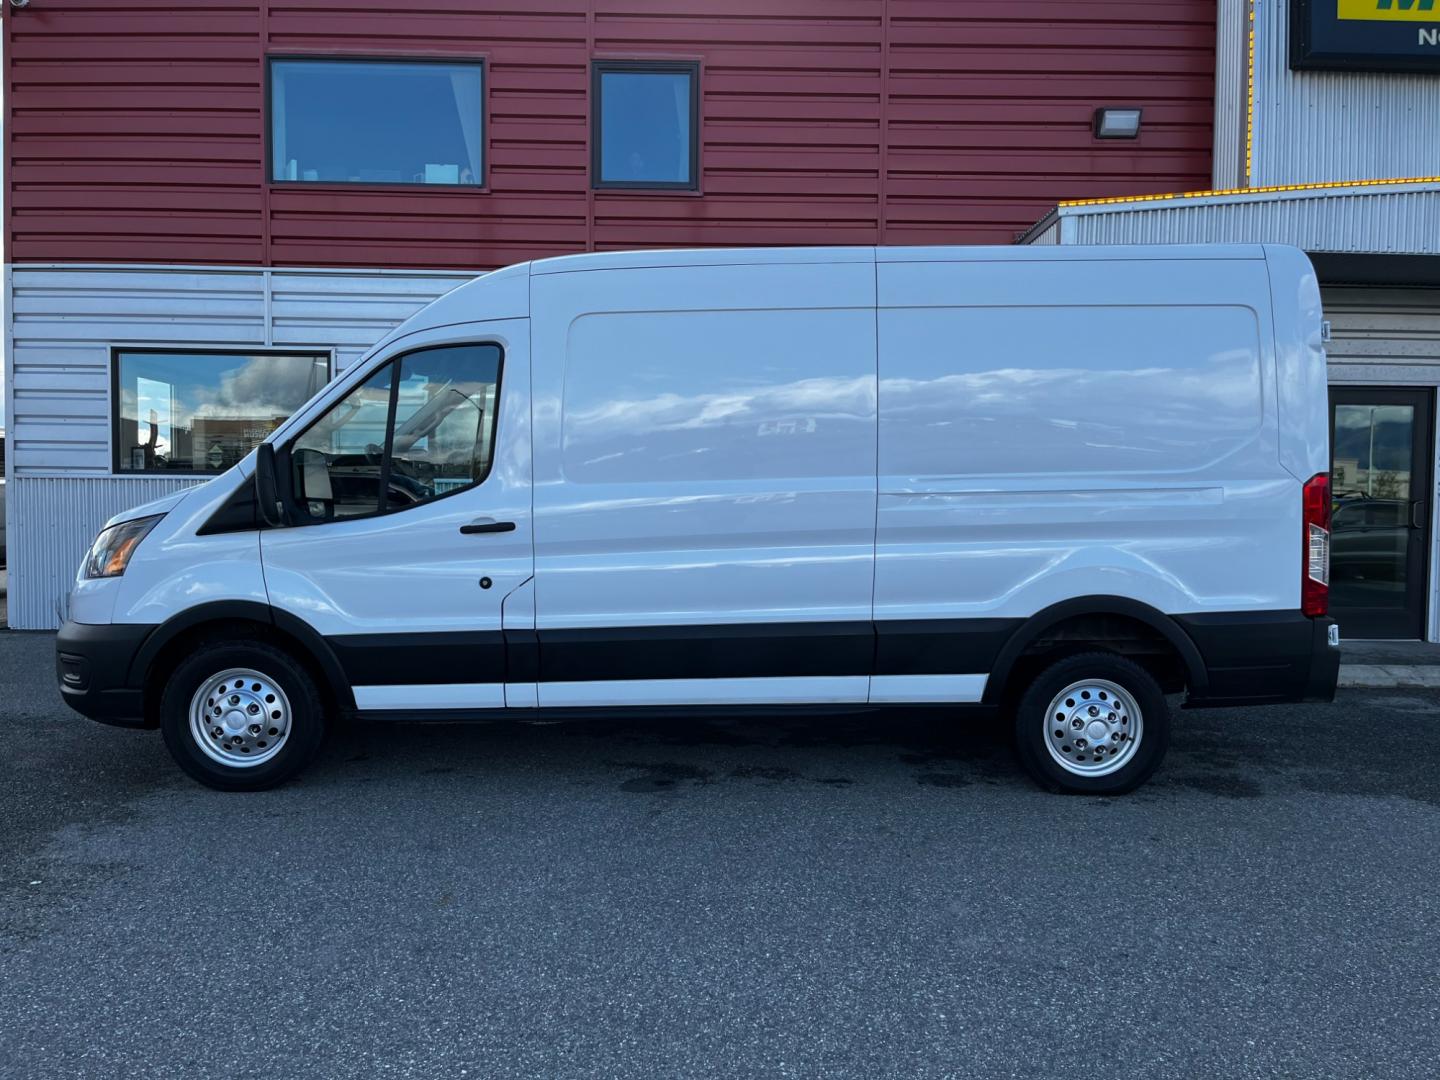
[1424, 11]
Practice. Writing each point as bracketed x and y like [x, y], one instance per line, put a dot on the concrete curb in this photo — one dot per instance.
[1385, 676]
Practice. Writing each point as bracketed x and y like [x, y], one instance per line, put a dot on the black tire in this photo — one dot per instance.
[306, 724]
[1034, 725]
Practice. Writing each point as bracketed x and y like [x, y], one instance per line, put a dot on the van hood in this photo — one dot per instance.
[230, 479]
[162, 505]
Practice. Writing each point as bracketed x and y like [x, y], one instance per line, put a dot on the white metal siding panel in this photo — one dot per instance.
[349, 312]
[1317, 126]
[1046, 237]
[51, 521]
[1377, 330]
[66, 318]
[1231, 57]
[1382, 220]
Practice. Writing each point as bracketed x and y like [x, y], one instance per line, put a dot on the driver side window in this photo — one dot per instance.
[420, 427]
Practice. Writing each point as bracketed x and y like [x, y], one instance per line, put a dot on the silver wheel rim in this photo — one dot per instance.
[240, 718]
[1093, 727]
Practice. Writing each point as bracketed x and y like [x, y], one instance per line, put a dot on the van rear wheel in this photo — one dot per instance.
[1094, 724]
[241, 715]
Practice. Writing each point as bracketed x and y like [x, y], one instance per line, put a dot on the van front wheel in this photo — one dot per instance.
[1093, 724]
[241, 716]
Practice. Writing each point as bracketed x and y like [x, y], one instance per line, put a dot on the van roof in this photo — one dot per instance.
[615, 260]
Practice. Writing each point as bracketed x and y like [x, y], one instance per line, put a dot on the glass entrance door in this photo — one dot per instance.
[1380, 533]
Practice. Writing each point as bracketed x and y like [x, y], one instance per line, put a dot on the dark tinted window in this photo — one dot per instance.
[376, 122]
[203, 412]
[646, 115]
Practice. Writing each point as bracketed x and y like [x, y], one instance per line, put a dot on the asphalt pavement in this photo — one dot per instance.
[877, 895]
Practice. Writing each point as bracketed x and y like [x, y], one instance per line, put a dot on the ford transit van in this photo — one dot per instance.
[1061, 485]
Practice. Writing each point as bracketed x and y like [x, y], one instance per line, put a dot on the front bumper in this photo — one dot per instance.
[93, 665]
[1264, 658]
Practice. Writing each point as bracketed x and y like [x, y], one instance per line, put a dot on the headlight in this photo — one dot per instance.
[110, 554]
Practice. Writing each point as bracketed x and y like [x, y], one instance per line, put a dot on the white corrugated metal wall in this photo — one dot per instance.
[1313, 126]
[52, 520]
[1398, 219]
[1232, 27]
[65, 320]
[1384, 335]
[1321, 126]
[1045, 234]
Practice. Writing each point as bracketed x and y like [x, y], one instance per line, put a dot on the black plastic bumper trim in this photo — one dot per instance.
[93, 665]
[1263, 657]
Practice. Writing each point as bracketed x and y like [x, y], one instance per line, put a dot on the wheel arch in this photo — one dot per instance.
[228, 616]
[1047, 619]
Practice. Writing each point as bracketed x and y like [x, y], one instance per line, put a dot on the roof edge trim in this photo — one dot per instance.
[1329, 186]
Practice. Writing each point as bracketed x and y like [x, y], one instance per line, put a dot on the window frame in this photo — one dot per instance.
[285, 471]
[480, 60]
[599, 68]
[113, 409]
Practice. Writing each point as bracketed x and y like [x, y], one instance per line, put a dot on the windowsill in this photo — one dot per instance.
[120, 474]
[377, 185]
[640, 189]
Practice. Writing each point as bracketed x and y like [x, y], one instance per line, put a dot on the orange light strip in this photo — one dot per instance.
[1250, 102]
[1329, 184]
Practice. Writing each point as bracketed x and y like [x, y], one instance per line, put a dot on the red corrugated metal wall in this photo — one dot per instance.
[137, 127]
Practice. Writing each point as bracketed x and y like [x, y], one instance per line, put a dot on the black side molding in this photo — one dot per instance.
[462, 656]
[707, 651]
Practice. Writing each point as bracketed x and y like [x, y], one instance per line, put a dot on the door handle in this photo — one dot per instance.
[1417, 511]
[487, 525]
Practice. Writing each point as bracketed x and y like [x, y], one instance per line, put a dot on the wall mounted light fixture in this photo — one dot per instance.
[1117, 123]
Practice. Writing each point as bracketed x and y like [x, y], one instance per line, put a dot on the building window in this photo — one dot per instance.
[647, 123]
[201, 412]
[376, 122]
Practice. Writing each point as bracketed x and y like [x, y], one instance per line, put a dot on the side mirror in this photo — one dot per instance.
[313, 474]
[266, 496]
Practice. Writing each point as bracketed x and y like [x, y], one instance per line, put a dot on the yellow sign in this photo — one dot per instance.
[1390, 10]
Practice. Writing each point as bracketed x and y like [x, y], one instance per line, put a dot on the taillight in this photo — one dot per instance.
[1315, 584]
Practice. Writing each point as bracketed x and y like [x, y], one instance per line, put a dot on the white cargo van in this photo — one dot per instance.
[1055, 483]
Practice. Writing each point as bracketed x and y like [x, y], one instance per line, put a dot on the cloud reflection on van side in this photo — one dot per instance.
[1069, 419]
[1001, 421]
[808, 427]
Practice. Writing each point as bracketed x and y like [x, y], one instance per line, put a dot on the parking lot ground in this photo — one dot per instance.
[875, 895]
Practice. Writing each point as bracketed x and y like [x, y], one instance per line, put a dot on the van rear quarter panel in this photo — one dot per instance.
[1301, 374]
[1059, 429]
